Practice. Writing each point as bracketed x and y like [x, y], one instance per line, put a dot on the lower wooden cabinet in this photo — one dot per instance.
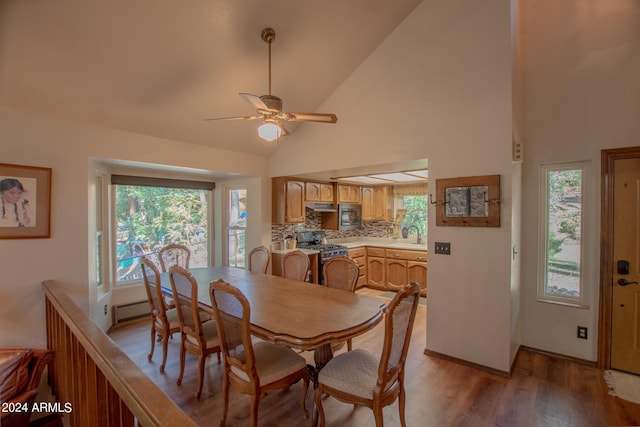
[376, 271]
[418, 273]
[390, 269]
[359, 255]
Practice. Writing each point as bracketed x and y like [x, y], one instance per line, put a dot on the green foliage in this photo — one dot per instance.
[158, 216]
[416, 207]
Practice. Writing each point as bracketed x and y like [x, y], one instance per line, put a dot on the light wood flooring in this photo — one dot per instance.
[543, 390]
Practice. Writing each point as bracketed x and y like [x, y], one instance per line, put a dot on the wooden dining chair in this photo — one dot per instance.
[199, 334]
[259, 259]
[174, 254]
[295, 265]
[360, 378]
[341, 272]
[164, 321]
[249, 368]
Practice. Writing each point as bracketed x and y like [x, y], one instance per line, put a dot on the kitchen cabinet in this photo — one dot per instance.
[288, 203]
[348, 193]
[359, 255]
[319, 192]
[390, 269]
[376, 203]
[404, 266]
[367, 203]
[418, 273]
[376, 267]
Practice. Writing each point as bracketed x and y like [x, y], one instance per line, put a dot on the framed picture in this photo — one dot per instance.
[25, 202]
[472, 201]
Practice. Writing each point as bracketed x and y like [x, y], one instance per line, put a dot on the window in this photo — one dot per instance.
[411, 204]
[151, 213]
[237, 227]
[561, 241]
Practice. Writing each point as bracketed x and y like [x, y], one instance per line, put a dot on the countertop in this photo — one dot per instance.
[355, 242]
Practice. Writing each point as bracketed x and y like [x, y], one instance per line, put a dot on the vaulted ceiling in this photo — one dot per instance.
[159, 67]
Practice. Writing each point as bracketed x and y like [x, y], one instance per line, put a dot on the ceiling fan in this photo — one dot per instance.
[269, 107]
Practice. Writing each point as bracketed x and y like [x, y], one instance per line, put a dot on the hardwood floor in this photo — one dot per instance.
[543, 391]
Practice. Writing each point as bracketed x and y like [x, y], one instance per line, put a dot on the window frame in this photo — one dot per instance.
[134, 179]
[543, 232]
[225, 232]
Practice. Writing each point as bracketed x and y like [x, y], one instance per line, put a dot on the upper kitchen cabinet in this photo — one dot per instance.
[288, 203]
[376, 203]
[348, 193]
[319, 192]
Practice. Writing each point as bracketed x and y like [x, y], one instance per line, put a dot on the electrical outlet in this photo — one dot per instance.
[582, 332]
[105, 309]
[443, 248]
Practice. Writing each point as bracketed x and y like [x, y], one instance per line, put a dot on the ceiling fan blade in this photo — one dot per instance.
[234, 118]
[254, 100]
[312, 117]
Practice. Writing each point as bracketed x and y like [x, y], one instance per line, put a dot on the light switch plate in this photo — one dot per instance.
[443, 248]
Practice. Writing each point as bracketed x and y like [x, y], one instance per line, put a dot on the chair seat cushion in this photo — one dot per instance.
[354, 372]
[273, 362]
[210, 334]
[14, 371]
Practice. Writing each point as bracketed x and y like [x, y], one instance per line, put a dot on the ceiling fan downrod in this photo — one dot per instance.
[269, 35]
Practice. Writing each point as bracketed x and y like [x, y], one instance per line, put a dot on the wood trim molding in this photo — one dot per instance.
[608, 158]
[443, 356]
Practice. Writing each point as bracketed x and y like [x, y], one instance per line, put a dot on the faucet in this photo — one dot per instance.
[418, 240]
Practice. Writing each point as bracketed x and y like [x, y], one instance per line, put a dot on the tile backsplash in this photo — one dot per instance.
[313, 222]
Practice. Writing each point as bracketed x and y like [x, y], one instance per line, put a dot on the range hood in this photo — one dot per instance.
[322, 207]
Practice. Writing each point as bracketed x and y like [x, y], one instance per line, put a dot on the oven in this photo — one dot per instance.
[349, 216]
[311, 240]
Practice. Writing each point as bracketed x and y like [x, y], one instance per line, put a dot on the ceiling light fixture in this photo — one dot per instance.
[269, 130]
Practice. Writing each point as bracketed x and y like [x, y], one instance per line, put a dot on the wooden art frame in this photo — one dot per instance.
[472, 201]
[25, 202]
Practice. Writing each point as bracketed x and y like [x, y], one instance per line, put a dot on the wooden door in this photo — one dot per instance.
[375, 271]
[418, 273]
[397, 275]
[380, 204]
[367, 203]
[295, 205]
[625, 319]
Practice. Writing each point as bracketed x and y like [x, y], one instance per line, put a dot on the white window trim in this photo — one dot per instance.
[585, 238]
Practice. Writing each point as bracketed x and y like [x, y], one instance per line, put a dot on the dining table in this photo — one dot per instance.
[297, 314]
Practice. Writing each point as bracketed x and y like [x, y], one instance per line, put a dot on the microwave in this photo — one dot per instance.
[349, 216]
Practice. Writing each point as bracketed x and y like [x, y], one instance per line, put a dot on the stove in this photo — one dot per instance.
[329, 251]
[311, 240]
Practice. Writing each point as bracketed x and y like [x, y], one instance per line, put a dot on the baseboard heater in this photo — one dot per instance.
[131, 311]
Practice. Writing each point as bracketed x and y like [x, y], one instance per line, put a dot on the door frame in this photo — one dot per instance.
[608, 158]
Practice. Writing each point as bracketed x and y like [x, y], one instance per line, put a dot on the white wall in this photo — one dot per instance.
[439, 88]
[68, 148]
[582, 68]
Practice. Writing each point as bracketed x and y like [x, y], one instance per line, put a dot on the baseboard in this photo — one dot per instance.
[559, 356]
[467, 363]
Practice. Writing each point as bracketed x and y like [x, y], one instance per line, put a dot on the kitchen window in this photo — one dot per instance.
[563, 206]
[151, 213]
[411, 202]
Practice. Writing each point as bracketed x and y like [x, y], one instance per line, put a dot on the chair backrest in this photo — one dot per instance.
[399, 318]
[341, 273]
[295, 265]
[259, 259]
[233, 313]
[173, 254]
[185, 294]
[151, 277]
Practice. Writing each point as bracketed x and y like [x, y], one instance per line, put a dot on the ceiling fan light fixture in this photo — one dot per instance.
[269, 131]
